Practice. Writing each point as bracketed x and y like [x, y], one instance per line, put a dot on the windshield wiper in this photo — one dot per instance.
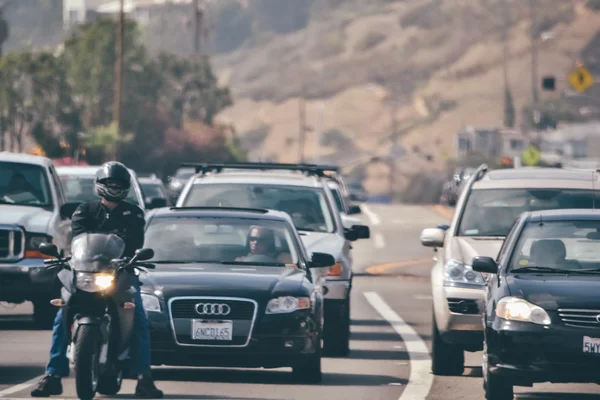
[173, 262]
[253, 263]
[543, 269]
[586, 271]
[306, 229]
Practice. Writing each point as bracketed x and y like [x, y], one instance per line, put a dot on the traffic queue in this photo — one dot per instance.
[517, 276]
[251, 268]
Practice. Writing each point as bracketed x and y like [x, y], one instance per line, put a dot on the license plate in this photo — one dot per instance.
[209, 330]
[591, 345]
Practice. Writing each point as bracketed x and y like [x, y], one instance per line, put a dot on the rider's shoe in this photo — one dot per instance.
[145, 389]
[48, 386]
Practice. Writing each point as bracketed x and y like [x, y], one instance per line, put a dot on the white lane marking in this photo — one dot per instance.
[19, 387]
[420, 379]
[379, 241]
[373, 218]
[422, 297]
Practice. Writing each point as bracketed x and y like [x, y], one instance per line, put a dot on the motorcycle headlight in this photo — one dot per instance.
[150, 302]
[457, 272]
[287, 304]
[94, 282]
[515, 309]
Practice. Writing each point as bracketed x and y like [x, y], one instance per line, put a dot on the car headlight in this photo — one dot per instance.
[515, 309]
[94, 282]
[287, 304]
[457, 272]
[150, 302]
[32, 245]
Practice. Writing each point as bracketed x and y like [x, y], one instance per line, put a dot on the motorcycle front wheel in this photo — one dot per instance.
[87, 361]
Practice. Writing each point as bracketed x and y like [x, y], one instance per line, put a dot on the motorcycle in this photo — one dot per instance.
[97, 300]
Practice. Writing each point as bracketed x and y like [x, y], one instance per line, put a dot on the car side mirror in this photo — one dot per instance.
[352, 210]
[433, 237]
[350, 234]
[49, 249]
[67, 210]
[156, 202]
[362, 231]
[443, 227]
[485, 264]
[321, 260]
[143, 254]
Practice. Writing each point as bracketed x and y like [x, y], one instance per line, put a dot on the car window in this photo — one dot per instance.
[491, 212]
[24, 184]
[339, 202]
[307, 206]
[221, 240]
[151, 190]
[57, 184]
[507, 240]
[80, 188]
[558, 244]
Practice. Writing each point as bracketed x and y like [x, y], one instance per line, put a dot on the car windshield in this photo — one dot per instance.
[338, 199]
[151, 190]
[558, 244]
[184, 174]
[491, 212]
[221, 240]
[80, 188]
[24, 184]
[307, 206]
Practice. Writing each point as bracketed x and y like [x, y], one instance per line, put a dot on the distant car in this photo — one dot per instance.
[345, 209]
[541, 317]
[177, 183]
[78, 185]
[234, 288]
[356, 192]
[155, 193]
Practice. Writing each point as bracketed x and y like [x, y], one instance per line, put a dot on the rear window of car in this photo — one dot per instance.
[24, 184]
[80, 188]
[308, 207]
[491, 212]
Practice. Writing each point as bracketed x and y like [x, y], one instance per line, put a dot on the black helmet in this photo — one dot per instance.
[113, 181]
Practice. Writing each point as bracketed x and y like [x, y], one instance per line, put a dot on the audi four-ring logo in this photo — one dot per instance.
[212, 309]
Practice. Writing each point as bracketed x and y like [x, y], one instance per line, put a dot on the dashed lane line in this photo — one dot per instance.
[420, 379]
[373, 218]
[379, 241]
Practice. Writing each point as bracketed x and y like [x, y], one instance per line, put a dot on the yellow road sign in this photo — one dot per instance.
[531, 156]
[581, 79]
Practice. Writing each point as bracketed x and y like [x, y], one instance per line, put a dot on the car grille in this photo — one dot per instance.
[183, 310]
[463, 306]
[580, 318]
[11, 244]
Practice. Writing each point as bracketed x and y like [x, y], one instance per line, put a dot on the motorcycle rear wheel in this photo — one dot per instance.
[87, 363]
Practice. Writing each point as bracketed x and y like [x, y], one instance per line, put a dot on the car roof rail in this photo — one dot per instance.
[310, 169]
[240, 209]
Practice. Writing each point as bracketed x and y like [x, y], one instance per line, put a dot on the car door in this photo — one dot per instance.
[62, 227]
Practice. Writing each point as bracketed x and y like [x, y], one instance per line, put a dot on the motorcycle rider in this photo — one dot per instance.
[110, 214]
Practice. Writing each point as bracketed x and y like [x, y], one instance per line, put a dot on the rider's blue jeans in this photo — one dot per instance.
[139, 349]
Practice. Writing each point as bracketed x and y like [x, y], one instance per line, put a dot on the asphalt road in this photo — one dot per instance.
[391, 332]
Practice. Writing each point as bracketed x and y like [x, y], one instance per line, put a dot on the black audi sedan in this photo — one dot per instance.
[542, 308]
[234, 288]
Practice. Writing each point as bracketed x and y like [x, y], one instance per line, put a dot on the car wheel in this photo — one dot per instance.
[336, 332]
[496, 388]
[446, 359]
[44, 314]
[308, 368]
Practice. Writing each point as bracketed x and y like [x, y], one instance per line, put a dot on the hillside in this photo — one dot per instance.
[430, 66]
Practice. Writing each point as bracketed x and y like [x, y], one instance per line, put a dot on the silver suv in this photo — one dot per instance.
[486, 209]
[302, 192]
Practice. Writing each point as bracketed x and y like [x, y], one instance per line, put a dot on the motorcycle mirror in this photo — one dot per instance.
[143, 254]
[49, 249]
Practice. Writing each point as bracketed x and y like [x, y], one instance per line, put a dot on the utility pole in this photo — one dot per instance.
[534, 61]
[120, 35]
[505, 22]
[391, 161]
[302, 129]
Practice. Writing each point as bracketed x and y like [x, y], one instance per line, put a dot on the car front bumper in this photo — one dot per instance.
[25, 280]
[458, 315]
[275, 341]
[526, 353]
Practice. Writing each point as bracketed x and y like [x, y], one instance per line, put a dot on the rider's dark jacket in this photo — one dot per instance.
[125, 220]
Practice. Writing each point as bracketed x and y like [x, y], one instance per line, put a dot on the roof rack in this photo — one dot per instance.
[310, 169]
[240, 209]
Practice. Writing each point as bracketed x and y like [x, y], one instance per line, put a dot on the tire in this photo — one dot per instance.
[495, 387]
[308, 368]
[87, 351]
[336, 332]
[446, 359]
[44, 314]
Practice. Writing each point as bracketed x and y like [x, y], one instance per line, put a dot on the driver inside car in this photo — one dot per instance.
[261, 247]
